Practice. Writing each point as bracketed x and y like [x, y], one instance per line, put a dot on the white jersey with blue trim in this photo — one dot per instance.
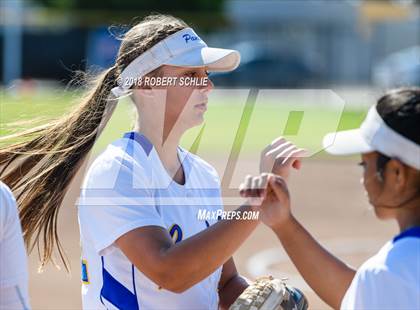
[125, 188]
[390, 279]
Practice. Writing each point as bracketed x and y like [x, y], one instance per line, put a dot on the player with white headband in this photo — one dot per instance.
[389, 144]
[140, 198]
[144, 246]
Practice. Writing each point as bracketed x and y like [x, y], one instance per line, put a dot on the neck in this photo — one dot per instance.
[409, 215]
[166, 144]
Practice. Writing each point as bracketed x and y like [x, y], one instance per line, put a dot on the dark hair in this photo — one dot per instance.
[400, 110]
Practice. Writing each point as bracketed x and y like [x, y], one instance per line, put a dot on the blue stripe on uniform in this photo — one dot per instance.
[413, 232]
[116, 293]
[140, 139]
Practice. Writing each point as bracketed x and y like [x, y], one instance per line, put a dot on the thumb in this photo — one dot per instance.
[298, 155]
[297, 164]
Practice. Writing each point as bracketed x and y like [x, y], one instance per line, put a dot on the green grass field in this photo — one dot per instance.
[229, 124]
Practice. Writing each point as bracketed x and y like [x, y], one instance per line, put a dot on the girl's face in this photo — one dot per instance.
[186, 103]
[372, 182]
[389, 190]
[177, 103]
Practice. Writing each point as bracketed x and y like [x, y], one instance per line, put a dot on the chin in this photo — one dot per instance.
[379, 214]
[199, 120]
[194, 123]
[383, 213]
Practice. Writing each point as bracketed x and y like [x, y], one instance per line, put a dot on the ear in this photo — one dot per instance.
[396, 174]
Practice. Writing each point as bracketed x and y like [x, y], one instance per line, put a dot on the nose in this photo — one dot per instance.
[207, 87]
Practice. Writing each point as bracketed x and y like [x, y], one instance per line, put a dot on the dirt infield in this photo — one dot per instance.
[327, 197]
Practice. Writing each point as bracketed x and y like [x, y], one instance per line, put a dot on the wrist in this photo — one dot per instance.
[282, 226]
[251, 208]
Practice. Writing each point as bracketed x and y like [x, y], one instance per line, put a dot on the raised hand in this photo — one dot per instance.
[280, 156]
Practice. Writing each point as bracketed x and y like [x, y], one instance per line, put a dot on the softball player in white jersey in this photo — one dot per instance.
[143, 244]
[141, 196]
[109, 277]
[13, 261]
[389, 144]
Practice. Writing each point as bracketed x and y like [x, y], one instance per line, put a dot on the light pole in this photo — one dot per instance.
[12, 11]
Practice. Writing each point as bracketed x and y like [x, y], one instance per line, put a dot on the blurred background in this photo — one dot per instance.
[318, 66]
[301, 43]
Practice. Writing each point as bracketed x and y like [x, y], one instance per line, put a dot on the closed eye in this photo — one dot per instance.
[190, 73]
[195, 73]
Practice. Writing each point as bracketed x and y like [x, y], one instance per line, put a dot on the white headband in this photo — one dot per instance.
[374, 135]
[183, 48]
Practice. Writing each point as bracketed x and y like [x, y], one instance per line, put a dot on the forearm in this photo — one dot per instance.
[328, 276]
[232, 289]
[201, 254]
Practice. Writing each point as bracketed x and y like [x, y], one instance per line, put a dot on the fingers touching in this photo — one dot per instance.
[280, 156]
[254, 187]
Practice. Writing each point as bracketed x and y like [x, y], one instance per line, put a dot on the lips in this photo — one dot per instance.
[201, 106]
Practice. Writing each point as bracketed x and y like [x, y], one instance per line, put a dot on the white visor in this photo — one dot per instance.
[373, 135]
[183, 48]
